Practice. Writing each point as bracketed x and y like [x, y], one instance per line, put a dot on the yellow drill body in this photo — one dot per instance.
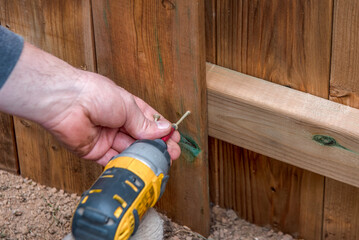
[130, 184]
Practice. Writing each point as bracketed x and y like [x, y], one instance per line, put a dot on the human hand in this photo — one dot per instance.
[105, 119]
[87, 112]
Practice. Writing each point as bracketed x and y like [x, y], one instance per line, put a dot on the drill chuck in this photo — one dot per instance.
[131, 183]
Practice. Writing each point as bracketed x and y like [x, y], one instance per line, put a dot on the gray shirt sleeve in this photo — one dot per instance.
[11, 46]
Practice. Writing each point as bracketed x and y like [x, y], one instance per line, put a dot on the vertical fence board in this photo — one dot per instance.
[210, 24]
[286, 42]
[8, 155]
[62, 28]
[156, 50]
[341, 203]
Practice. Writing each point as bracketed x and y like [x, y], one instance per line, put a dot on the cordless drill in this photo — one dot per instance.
[130, 184]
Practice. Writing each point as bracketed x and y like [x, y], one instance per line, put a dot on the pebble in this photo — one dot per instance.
[287, 237]
[17, 213]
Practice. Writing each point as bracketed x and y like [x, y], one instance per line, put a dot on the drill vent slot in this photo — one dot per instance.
[107, 176]
[84, 200]
[120, 200]
[118, 212]
[95, 191]
[131, 185]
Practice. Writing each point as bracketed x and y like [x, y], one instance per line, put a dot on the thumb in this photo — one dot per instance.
[141, 125]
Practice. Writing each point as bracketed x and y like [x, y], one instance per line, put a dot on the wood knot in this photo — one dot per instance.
[168, 5]
[338, 93]
[25, 123]
[325, 140]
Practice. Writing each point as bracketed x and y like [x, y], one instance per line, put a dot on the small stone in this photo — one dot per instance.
[270, 233]
[17, 213]
[24, 230]
[287, 237]
[52, 231]
[232, 215]
[17, 187]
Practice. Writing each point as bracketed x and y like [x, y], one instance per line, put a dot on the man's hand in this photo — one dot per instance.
[89, 113]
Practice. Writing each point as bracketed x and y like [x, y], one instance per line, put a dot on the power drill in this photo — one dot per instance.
[130, 184]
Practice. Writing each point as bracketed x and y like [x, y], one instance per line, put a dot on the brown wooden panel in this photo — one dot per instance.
[341, 211]
[341, 203]
[8, 155]
[210, 23]
[344, 87]
[62, 28]
[156, 50]
[266, 191]
[286, 42]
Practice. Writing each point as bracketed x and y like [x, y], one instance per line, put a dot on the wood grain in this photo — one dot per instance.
[8, 154]
[341, 203]
[281, 123]
[210, 24]
[266, 191]
[286, 42]
[62, 28]
[344, 87]
[156, 50]
[341, 211]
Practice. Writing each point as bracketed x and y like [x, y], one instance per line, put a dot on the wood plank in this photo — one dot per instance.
[341, 211]
[210, 23]
[156, 50]
[344, 86]
[341, 203]
[267, 191]
[8, 155]
[286, 42]
[62, 28]
[282, 123]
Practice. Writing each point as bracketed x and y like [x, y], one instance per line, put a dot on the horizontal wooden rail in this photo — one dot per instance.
[295, 127]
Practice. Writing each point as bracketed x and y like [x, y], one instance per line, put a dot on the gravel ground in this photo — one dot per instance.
[32, 211]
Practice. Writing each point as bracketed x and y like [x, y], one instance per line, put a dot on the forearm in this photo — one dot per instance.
[39, 86]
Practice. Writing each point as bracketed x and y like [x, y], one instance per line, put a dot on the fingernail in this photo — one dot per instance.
[163, 124]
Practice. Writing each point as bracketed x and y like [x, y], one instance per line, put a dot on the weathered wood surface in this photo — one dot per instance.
[341, 202]
[156, 50]
[286, 42]
[266, 191]
[283, 123]
[62, 28]
[8, 155]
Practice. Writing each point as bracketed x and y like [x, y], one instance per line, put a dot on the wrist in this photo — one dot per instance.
[40, 87]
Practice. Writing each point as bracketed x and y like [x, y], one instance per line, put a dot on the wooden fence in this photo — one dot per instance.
[157, 50]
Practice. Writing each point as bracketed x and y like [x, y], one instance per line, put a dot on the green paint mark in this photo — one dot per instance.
[330, 142]
[160, 61]
[189, 148]
[104, 13]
